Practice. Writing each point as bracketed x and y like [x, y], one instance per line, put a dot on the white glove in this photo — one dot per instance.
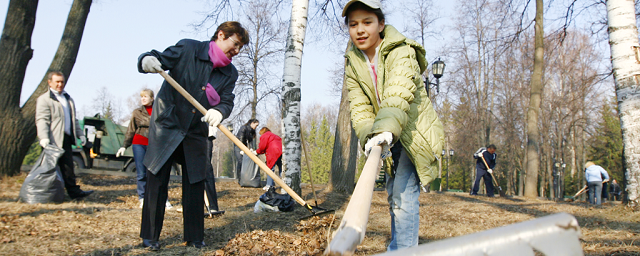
[384, 139]
[213, 117]
[490, 171]
[254, 152]
[120, 152]
[83, 140]
[241, 152]
[151, 64]
[44, 142]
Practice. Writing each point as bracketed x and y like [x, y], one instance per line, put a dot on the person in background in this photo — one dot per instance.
[271, 145]
[615, 190]
[178, 132]
[390, 108]
[246, 134]
[136, 137]
[594, 175]
[56, 124]
[482, 172]
[605, 190]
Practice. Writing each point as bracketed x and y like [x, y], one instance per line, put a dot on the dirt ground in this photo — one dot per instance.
[108, 221]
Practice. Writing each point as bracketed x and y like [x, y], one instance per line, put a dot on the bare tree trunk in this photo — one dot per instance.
[533, 134]
[17, 125]
[345, 150]
[291, 93]
[623, 39]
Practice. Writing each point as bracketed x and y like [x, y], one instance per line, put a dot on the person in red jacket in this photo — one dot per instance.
[270, 144]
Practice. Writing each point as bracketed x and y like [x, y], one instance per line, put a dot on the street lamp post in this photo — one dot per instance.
[448, 160]
[437, 68]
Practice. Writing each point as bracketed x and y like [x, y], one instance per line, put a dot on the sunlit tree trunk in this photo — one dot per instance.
[291, 93]
[533, 133]
[623, 39]
[17, 125]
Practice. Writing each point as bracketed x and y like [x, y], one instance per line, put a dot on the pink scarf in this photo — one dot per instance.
[219, 59]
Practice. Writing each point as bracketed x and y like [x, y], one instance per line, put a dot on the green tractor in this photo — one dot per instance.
[104, 139]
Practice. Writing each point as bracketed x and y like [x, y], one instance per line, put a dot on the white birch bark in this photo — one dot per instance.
[291, 93]
[623, 38]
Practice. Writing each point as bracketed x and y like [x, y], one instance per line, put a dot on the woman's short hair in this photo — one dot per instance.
[229, 28]
[252, 120]
[263, 130]
[147, 92]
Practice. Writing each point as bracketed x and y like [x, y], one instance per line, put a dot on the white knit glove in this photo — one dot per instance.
[384, 139]
[151, 64]
[83, 140]
[213, 117]
[490, 171]
[120, 152]
[213, 131]
[44, 142]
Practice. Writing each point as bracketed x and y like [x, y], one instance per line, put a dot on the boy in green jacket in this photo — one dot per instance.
[390, 107]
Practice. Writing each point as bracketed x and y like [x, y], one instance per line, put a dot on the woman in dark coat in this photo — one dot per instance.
[176, 132]
[246, 134]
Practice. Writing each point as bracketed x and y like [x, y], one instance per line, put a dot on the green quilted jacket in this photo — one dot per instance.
[405, 110]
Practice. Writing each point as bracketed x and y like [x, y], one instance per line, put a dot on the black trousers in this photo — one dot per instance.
[480, 173]
[65, 162]
[156, 196]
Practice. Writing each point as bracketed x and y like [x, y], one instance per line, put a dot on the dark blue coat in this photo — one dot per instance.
[174, 120]
[490, 158]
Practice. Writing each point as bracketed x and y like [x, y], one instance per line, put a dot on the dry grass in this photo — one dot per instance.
[108, 222]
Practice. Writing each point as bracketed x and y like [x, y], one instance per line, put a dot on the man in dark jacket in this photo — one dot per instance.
[176, 132]
[482, 171]
[615, 191]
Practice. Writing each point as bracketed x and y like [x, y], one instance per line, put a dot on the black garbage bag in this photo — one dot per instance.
[284, 202]
[44, 183]
[250, 173]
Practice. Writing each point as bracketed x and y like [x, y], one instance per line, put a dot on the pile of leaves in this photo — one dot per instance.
[310, 239]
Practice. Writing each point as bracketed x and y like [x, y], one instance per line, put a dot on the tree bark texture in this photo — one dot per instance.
[623, 40]
[291, 93]
[17, 125]
[533, 133]
[345, 150]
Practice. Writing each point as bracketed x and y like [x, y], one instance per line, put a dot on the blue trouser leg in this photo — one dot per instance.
[595, 190]
[278, 164]
[141, 171]
[476, 185]
[404, 189]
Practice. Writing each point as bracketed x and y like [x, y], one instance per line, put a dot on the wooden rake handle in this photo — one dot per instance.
[235, 140]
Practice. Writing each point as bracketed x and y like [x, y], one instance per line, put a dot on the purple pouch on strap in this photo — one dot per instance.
[212, 96]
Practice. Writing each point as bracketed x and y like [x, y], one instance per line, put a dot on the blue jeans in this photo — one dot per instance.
[141, 171]
[403, 190]
[278, 164]
[595, 192]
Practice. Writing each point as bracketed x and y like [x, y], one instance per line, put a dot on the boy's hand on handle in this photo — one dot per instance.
[213, 117]
[44, 142]
[120, 152]
[383, 139]
[151, 64]
[490, 171]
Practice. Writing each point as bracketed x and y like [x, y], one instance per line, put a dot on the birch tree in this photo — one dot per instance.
[623, 40]
[291, 93]
[17, 124]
